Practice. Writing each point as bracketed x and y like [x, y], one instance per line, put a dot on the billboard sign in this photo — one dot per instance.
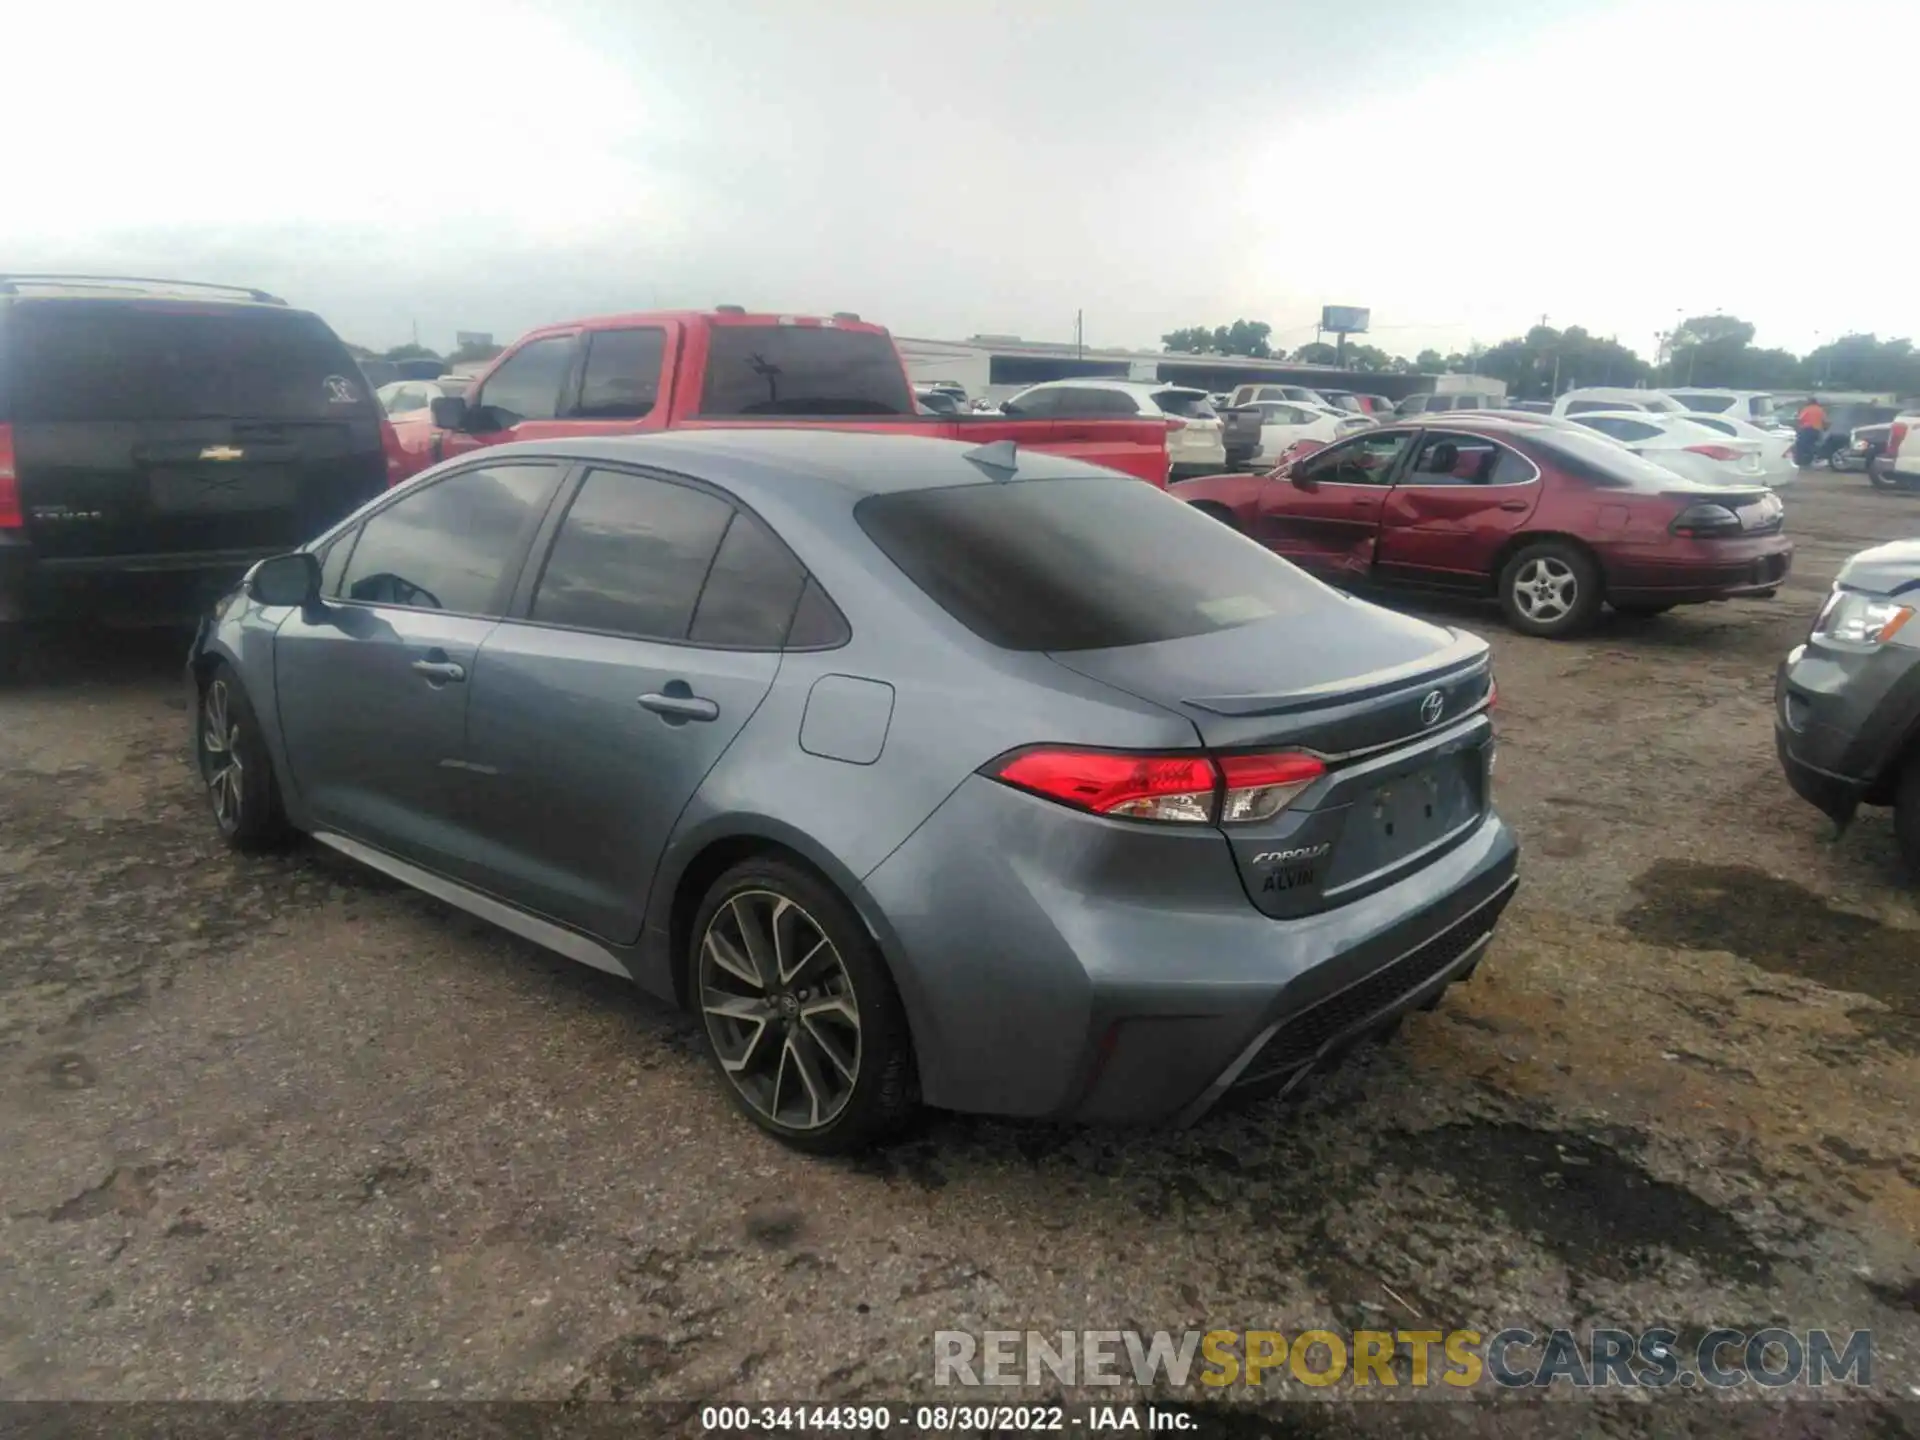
[464, 338]
[1344, 319]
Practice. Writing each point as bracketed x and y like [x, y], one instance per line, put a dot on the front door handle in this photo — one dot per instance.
[680, 707]
[1513, 505]
[440, 672]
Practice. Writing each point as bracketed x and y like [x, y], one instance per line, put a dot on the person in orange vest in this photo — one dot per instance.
[1810, 427]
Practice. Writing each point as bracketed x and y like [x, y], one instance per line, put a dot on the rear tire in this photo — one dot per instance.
[1551, 589]
[802, 1019]
[231, 753]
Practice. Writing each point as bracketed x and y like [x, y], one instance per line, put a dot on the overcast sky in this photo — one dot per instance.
[946, 169]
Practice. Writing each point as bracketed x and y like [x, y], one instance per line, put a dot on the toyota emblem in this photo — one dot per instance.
[1431, 706]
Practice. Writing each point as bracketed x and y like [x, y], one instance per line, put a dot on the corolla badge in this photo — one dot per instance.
[1431, 707]
[1284, 857]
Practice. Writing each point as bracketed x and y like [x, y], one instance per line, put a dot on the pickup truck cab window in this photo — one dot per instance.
[802, 370]
[527, 385]
[622, 379]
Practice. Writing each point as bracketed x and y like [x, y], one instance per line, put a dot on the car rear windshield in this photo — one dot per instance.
[1590, 458]
[74, 360]
[1187, 404]
[1079, 564]
[803, 370]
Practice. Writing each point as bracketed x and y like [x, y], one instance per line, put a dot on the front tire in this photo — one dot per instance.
[231, 753]
[1550, 589]
[801, 1016]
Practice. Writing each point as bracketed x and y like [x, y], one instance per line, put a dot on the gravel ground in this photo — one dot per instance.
[278, 1128]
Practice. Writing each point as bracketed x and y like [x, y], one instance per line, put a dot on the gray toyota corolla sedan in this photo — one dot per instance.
[918, 771]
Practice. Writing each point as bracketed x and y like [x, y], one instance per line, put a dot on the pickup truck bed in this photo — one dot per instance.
[635, 374]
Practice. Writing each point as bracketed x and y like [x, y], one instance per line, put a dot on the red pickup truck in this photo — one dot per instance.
[633, 374]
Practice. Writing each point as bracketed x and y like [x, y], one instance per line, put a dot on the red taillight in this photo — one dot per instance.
[11, 517]
[1261, 786]
[1894, 437]
[1714, 452]
[1174, 422]
[1187, 788]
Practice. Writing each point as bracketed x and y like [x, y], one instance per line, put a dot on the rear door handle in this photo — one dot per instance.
[440, 672]
[680, 707]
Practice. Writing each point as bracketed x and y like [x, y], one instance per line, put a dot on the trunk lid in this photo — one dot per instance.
[1396, 709]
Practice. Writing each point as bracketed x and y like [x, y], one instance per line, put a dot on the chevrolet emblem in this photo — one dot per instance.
[221, 452]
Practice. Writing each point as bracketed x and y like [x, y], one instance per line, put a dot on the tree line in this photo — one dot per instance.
[464, 354]
[1705, 350]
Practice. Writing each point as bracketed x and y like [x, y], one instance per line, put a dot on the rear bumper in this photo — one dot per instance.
[1701, 572]
[162, 587]
[1053, 964]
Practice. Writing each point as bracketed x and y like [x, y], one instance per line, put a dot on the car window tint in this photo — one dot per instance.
[1187, 404]
[817, 621]
[1079, 564]
[751, 589]
[449, 545]
[1445, 459]
[527, 385]
[622, 379]
[1414, 404]
[630, 557]
[115, 360]
[1584, 407]
[803, 370]
[1512, 468]
[333, 561]
[1035, 403]
[1725, 427]
[1364, 460]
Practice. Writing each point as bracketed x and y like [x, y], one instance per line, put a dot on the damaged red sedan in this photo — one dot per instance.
[1551, 522]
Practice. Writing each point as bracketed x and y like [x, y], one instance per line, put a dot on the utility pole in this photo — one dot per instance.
[416, 332]
[1079, 335]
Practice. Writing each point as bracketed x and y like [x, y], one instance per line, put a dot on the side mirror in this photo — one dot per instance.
[1301, 480]
[285, 580]
[450, 412]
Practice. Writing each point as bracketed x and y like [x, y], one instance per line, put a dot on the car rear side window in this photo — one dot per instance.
[452, 545]
[631, 556]
[158, 360]
[803, 370]
[527, 384]
[751, 590]
[1078, 564]
[1187, 404]
[622, 380]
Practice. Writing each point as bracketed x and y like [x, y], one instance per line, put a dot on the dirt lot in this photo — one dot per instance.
[278, 1128]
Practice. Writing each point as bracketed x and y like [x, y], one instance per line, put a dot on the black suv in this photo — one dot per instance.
[156, 437]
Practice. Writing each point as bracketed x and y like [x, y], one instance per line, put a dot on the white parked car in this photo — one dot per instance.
[1598, 399]
[1754, 406]
[1194, 443]
[403, 397]
[1776, 447]
[1260, 394]
[1426, 403]
[1901, 463]
[1286, 424]
[1683, 446]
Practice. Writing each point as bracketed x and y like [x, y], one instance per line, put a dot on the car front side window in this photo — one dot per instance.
[454, 545]
[1364, 460]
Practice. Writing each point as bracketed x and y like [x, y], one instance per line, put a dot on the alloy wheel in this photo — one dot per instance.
[780, 1009]
[1546, 589]
[220, 763]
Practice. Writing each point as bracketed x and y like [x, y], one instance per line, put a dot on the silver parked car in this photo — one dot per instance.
[918, 771]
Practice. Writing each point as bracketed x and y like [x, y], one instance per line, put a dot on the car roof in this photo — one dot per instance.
[1102, 382]
[753, 462]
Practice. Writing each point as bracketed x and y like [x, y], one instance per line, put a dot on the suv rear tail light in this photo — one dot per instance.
[1894, 437]
[1174, 422]
[11, 517]
[1714, 452]
[1704, 520]
[1185, 788]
